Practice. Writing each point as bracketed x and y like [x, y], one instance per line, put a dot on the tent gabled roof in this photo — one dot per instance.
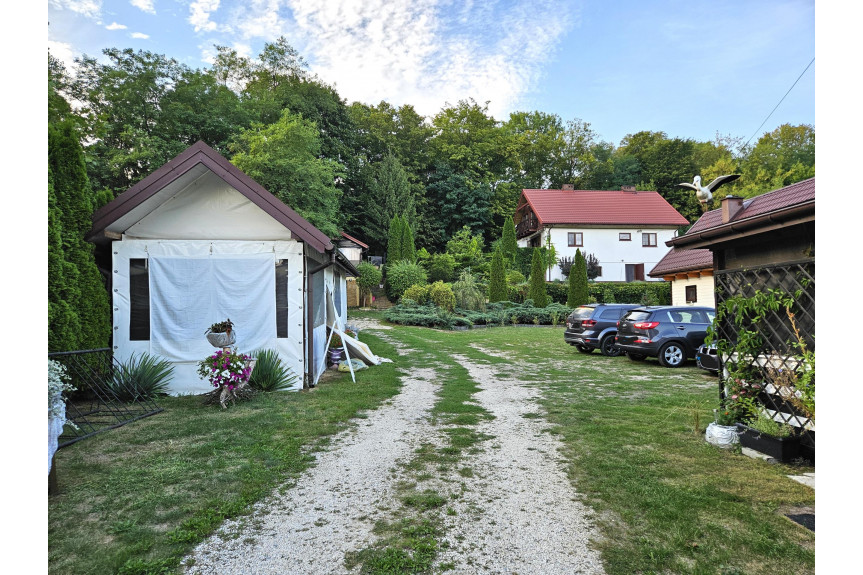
[147, 195]
[600, 207]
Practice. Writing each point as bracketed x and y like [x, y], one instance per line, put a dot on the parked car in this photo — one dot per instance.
[594, 325]
[670, 333]
[707, 358]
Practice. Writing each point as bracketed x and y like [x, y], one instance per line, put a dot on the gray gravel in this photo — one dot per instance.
[517, 514]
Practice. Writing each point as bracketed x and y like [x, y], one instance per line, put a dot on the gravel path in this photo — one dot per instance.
[517, 514]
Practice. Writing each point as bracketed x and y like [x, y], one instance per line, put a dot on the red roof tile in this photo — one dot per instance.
[770, 202]
[600, 207]
[682, 261]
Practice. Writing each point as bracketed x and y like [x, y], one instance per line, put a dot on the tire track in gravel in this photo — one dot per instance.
[520, 513]
[333, 507]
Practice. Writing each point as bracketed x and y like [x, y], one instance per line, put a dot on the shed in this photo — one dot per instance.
[690, 273]
[198, 241]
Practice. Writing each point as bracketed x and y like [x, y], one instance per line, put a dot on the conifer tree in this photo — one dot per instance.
[408, 249]
[78, 309]
[394, 241]
[578, 293]
[509, 244]
[497, 279]
[538, 292]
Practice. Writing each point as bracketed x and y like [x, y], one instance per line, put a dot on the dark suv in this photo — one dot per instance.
[593, 326]
[671, 333]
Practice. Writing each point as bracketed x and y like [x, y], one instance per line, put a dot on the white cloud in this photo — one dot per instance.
[64, 52]
[115, 26]
[199, 15]
[144, 5]
[88, 8]
[139, 35]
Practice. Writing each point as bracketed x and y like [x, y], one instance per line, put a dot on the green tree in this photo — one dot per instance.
[285, 159]
[441, 267]
[370, 277]
[401, 275]
[550, 255]
[578, 293]
[468, 294]
[467, 250]
[509, 243]
[409, 251]
[780, 158]
[394, 241]
[537, 291]
[497, 290]
[78, 309]
[388, 194]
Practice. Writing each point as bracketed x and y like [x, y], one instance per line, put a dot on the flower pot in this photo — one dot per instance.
[335, 354]
[222, 339]
[784, 449]
[724, 436]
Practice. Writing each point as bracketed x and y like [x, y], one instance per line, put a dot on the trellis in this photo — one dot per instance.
[779, 334]
[96, 406]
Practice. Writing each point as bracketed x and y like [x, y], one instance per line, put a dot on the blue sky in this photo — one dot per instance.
[689, 68]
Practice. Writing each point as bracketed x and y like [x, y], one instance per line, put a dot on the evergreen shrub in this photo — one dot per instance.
[401, 275]
[418, 293]
[441, 295]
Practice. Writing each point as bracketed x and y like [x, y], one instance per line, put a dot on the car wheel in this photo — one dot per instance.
[672, 355]
[584, 348]
[635, 356]
[606, 346]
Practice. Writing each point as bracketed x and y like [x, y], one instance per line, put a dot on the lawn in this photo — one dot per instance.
[136, 499]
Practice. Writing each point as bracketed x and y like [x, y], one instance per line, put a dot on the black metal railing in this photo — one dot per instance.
[780, 336]
[99, 402]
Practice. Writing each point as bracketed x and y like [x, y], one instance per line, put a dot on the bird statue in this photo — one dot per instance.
[705, 193]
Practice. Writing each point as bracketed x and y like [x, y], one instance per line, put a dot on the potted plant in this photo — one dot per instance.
[221, 334]
[765, 435]
[228, 371]
[337, 346]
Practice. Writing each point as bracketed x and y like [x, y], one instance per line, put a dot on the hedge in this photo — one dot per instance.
[622, 292]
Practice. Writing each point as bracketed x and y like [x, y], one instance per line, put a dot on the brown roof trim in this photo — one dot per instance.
[201, 153]
[355, 240]
[797, 214]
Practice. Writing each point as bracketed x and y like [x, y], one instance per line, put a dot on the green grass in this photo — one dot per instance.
[136, 499]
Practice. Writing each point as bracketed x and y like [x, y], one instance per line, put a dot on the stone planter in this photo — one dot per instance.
[784, 449]
[222, 339]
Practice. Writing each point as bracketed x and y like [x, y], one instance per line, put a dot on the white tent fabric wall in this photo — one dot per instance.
[254, 320]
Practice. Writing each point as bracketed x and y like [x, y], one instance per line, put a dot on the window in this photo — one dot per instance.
[281, 299]
[139, 300]
[624, 237]
[691, 294]
[635, 272]
[648, 240]
[575, 239]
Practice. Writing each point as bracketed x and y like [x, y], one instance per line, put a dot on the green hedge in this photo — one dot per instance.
[658, 293]
[501, 313]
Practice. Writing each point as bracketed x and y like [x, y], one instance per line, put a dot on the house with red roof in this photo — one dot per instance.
[690, 273]
[626, 230]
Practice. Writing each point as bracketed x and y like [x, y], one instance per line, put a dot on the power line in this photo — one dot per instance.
[777, 105]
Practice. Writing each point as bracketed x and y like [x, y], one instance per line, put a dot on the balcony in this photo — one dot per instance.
[528, 225]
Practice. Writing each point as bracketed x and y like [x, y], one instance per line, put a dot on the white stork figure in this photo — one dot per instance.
[705, 193]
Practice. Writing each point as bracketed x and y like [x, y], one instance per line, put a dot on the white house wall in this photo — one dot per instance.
[604, 243]
[706, 296]
[186, 380]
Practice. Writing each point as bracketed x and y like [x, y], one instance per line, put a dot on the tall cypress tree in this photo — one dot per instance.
[394, 241]
[78, 307]
[497, 279]
[409, 250]
[509, 244]
[578, 293]
[538, 292]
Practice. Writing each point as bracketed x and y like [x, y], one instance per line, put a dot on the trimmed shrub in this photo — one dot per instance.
[497, 279]
[441, 295]
[270, 374]
[537, 279]
[578, 292]
[514, 278]
[418, 293]
[402, 275]
[370, 276]
[508, 241]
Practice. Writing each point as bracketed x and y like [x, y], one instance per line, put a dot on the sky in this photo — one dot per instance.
[692, 69]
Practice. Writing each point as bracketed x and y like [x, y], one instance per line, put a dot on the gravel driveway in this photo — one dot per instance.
[517, 514]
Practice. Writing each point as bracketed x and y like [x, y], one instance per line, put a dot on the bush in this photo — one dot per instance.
[417, 292]
[441, 295]
[497, 290]
[514, 278]
[429, 315]
[370, 276]
[141, 377]
[538, 291]
[468, 293]
[270, 374]
[441, 267]
[402, 275]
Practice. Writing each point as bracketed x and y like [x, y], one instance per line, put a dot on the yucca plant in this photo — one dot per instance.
[141, 377]
[270, 373]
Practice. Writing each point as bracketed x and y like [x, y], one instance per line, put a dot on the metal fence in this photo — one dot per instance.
[100, 401]
[779, 336]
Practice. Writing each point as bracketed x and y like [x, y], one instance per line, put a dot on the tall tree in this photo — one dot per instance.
[780, 158]
[457, 201]
[577, 293]
[497, 290]
[285, 159]
[394, 241]
[537, 291]
[509, 243]
[78, 309]
[389, 194]
[409, 251]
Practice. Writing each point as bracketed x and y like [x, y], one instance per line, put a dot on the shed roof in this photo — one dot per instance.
[355, 240]
[676, 261]
[601, 207]
[788, 205]
[147, 195]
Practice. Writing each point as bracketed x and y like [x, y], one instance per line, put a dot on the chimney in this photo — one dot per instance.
[731, 205]
[570, 187]
[627, 188]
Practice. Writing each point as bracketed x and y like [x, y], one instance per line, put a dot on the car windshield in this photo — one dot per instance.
[582, 313]
[636, 315]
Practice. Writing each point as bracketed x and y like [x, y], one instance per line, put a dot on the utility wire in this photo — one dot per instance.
[777, 105]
